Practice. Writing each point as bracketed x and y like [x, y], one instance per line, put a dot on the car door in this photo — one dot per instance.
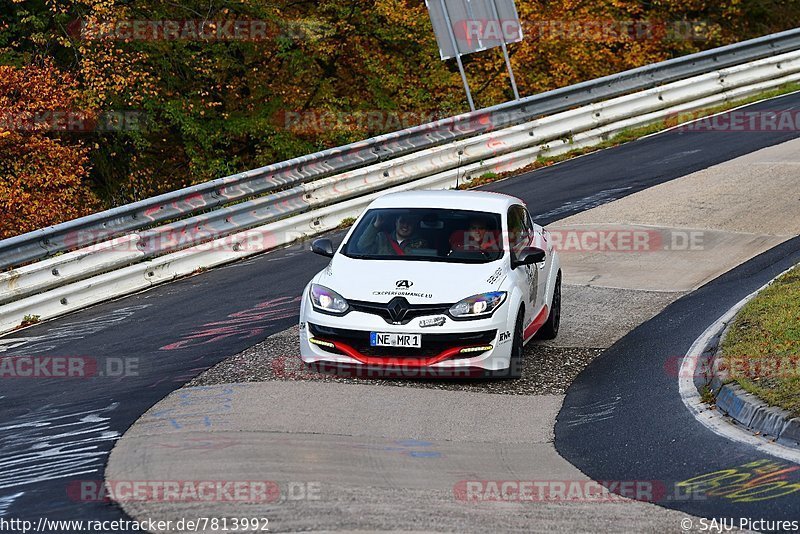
[520, 236]
[540, 240]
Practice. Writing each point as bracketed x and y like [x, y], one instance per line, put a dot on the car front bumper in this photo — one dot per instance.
[343, 341]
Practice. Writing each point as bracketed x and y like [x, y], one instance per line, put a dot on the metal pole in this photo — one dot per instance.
[505, 50]
[458, 55]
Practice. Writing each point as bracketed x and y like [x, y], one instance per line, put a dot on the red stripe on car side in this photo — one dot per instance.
[537, 323]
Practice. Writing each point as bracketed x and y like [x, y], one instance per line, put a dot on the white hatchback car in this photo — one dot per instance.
[438, 283]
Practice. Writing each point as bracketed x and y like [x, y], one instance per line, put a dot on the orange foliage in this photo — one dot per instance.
[42, 176]
[210, 108]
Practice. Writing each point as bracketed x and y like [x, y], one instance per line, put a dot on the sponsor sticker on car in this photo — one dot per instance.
[434, 321]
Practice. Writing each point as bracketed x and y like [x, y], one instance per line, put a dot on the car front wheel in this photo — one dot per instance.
[514, 369]
[549, 329]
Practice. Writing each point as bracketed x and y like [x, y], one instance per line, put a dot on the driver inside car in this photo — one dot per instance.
[403, 240]
[478, 238]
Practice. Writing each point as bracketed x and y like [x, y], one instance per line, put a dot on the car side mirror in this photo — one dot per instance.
[323, 247]
[528, 256]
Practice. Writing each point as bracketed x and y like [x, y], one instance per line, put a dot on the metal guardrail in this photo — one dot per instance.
[112, 223]
[138, 260]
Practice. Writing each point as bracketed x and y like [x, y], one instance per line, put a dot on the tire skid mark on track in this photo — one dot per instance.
[52, 442]
[243, 324]
[594, 412]
[586, 203]
[60, 335]
[7, 501]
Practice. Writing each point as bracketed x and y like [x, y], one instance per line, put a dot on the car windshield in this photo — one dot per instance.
[427, 234]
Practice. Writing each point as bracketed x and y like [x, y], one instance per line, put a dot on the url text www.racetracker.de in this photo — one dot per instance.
[200, 524]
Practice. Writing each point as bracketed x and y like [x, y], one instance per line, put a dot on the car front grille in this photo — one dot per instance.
[432, 344]
[412, 311]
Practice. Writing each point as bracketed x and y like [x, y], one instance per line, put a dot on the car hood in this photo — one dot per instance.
[428, 282]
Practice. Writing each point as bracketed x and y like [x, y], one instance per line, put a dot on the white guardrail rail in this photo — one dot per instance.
[138, 259]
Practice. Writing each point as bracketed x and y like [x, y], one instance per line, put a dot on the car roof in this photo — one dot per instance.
[449, 199]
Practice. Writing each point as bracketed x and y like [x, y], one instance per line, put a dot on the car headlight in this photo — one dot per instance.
[478, 306]
[327, 300]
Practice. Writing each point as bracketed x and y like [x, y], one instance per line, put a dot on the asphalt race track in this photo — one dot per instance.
[623, 418]
[55, 432]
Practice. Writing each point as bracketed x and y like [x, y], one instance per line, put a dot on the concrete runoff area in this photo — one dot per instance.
[390, 458]
[677, 271]
[754, 194]
[381, 462]
[698, 226]
[585, 317]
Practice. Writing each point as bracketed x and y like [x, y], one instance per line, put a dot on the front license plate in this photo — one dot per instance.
[378, 339]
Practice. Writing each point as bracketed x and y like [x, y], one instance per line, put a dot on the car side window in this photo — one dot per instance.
[519, 229]
[529, 222]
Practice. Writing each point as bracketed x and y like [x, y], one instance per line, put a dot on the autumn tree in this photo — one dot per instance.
[319, 73]
[42, 173]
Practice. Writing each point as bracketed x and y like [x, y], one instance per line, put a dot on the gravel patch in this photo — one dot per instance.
[585, 317]
[547, 370]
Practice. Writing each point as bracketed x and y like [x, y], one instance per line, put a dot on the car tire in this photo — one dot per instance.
[514, 369]
[549, 329]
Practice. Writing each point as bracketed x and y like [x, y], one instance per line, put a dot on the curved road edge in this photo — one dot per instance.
[629, 400]
[770, 424]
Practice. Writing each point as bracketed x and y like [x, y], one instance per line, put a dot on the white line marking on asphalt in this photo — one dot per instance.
[677, 156]
[67, 332]
[52, 442]
[585, 203]
[7, 501]
[737, 108]
[595, 412]
[712, 419]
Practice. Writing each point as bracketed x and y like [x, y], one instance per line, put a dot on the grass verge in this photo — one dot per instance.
[762, 347]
